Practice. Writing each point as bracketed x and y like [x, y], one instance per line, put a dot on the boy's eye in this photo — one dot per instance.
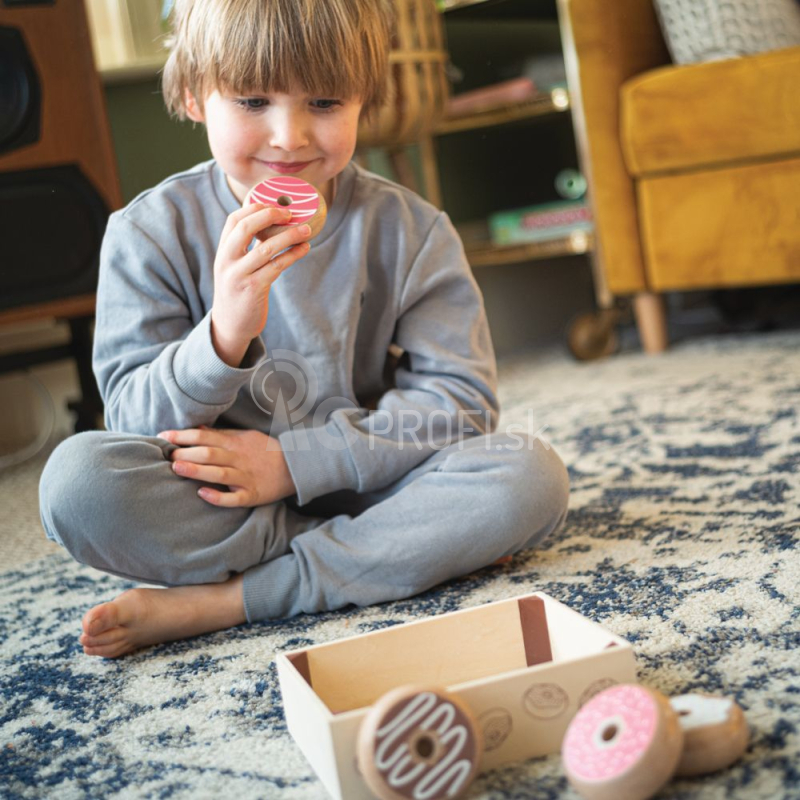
[326, 105]
[252, 103]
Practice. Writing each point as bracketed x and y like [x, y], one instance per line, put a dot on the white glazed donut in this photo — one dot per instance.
[418, 743]
[715, 733]
[304, 201]
[624, 744]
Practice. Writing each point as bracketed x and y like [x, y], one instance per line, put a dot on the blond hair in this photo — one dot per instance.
[325, 48]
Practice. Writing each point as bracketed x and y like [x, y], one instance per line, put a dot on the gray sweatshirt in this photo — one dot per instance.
[387, 269]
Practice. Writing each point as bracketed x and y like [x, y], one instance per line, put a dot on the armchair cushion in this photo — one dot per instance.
[716, 113]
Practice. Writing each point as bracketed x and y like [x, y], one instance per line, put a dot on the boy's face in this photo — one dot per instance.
[260, 136]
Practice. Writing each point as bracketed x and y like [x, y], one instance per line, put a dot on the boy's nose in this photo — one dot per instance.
[288, 133]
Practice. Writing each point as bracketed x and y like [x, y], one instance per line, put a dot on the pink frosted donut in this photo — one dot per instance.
[625, 742]
[304, 201]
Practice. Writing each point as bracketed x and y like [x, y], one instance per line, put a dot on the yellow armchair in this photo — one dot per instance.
[694, 170]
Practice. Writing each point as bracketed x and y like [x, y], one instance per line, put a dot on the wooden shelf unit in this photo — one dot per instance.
[553, 102]
[500, 9]
[479, 248]
[482, 252]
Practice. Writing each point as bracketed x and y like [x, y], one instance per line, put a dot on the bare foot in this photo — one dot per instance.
[141, 617]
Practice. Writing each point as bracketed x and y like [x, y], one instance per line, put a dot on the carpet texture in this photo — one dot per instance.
[682, 537]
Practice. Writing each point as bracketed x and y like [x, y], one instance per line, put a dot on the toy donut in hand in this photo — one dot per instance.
[418, 743]
[301, 198]
[715, 733]
[624, 744]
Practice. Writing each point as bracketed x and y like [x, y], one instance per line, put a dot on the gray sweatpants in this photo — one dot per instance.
[113, 501]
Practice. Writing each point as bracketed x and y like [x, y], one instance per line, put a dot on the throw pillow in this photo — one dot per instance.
[706, 30]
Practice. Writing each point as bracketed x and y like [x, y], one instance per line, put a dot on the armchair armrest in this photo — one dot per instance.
[605, 44]
[712, 114]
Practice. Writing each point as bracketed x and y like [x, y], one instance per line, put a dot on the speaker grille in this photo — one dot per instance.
[53, 224]
[20, 96]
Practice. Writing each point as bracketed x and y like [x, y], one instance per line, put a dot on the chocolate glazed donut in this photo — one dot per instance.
[418, 743]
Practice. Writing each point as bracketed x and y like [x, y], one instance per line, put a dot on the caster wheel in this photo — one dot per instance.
[418, 742]
[594, 336]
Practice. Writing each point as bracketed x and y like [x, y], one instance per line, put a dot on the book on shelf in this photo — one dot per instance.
[540, 223]
[488, 98]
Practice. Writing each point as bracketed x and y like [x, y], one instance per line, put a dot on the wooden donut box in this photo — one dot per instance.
[523, 666]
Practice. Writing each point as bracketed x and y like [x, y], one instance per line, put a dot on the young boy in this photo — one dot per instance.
[240, 467]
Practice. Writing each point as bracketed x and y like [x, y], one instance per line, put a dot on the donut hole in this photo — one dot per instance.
[425, 747]
[283, 200]
[609, 732]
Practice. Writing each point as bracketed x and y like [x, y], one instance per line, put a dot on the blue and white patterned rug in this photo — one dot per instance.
[682, 537]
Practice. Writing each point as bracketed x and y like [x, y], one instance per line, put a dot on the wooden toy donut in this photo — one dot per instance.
[624, 744]
[418, 743]
[715, 733]
[304, 201]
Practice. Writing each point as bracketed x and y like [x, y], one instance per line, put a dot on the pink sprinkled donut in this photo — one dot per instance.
[624, 744]
[304, 201]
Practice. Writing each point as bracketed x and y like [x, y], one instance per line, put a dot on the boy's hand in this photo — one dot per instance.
[242, 278]
[251, 463]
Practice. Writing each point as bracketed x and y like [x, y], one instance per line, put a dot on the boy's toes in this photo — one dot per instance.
[109, 650]
[111, 636]
[100, 618]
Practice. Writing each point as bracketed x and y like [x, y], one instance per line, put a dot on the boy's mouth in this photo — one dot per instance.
[287, 167]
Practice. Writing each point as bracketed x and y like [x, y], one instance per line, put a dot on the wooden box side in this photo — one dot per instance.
[308, 721]
[572, 634]
[344, 732]
[448, 649]
[526, 714]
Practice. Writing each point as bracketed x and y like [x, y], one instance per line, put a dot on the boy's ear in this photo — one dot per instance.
[193, 110]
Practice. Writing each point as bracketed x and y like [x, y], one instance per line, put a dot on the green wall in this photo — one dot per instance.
[149, 145]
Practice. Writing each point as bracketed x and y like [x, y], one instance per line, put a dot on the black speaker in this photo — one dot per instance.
[58, 177]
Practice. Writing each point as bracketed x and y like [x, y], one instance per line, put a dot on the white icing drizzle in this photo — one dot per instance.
[426, 712]
[702, 711]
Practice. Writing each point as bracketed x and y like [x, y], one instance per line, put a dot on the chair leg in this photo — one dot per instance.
[89, 408]
[651, 321]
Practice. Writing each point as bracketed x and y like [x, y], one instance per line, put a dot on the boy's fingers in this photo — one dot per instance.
[273, 269]
[249, 225]
[210, 456]
[265, 252]
[237, 216]
[240, 213]
[224, 499]
[187, 436]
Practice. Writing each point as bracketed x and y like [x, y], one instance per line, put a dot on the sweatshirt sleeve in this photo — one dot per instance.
[155, 369]
[448, 389]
